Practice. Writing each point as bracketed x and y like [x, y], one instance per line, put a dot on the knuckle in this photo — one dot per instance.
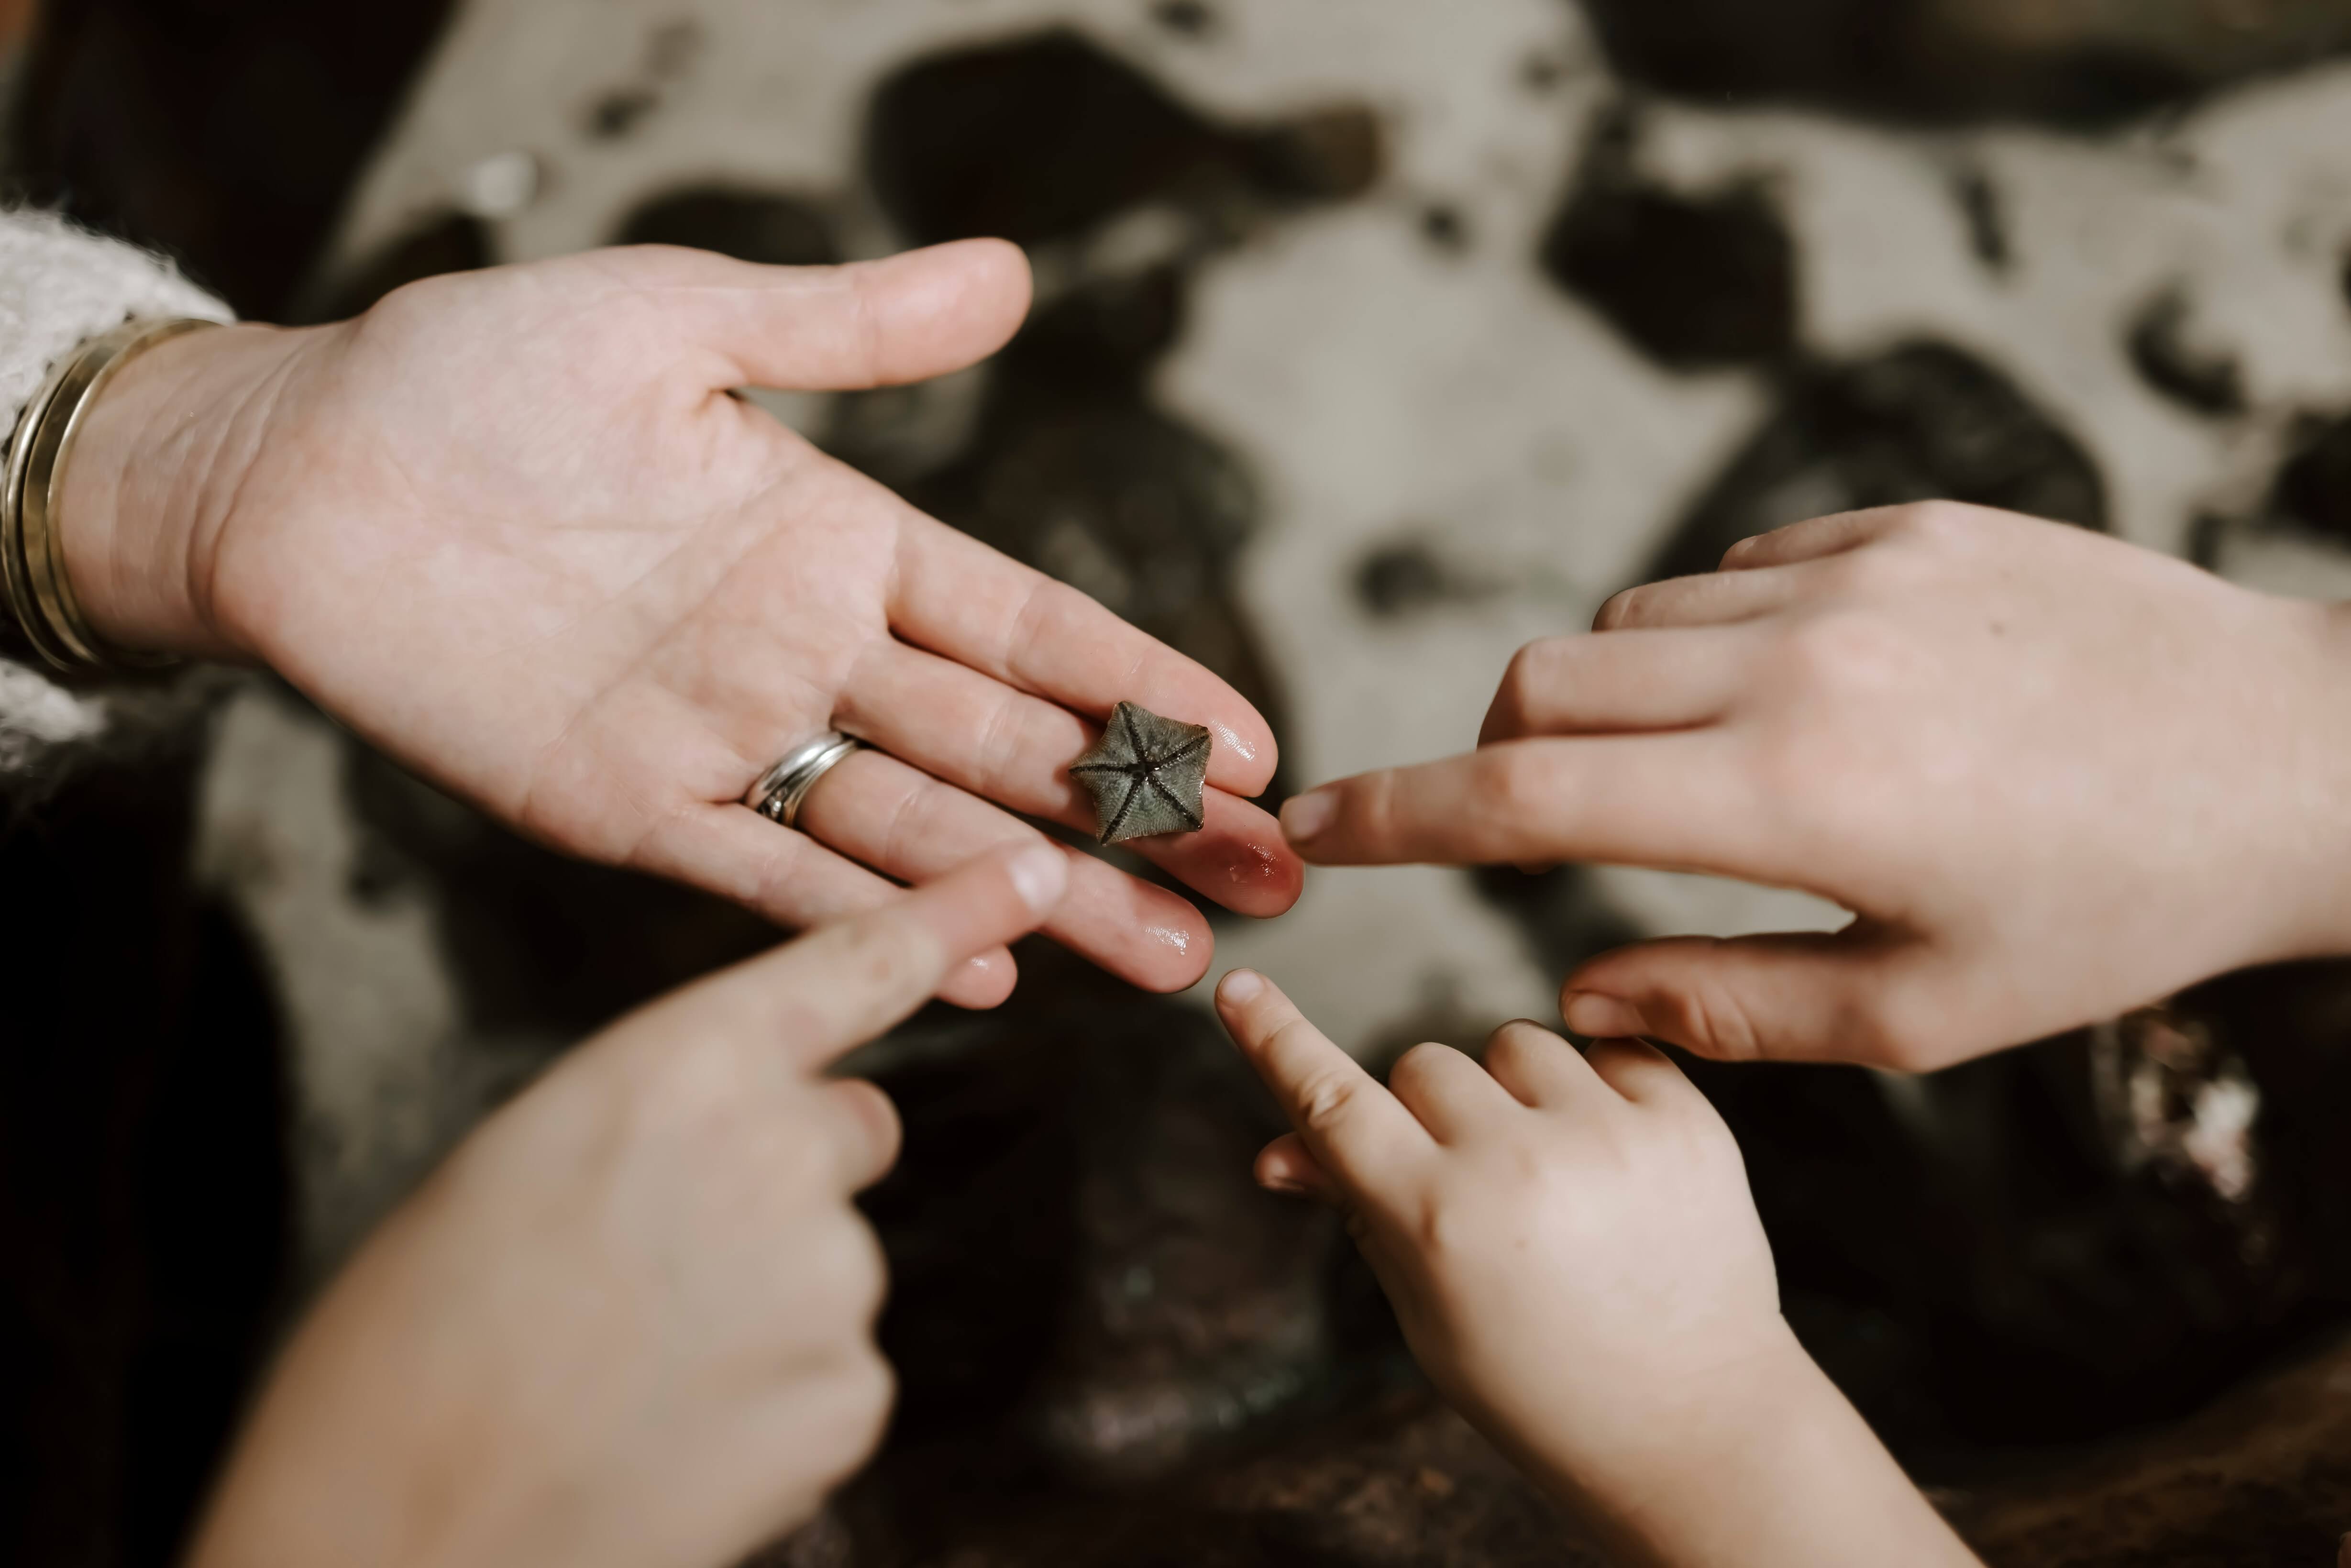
[858, 1399]
[1514, 699]
[878, 953]
[1419, 1063]
[1619, 609]
[1326, 1100]
[1846, 650]
[843, 1264]
[1898, 1026]
[1518, 787]
[800, 1161]
[690, 1094]
[1929, 522]
[1715, 1020]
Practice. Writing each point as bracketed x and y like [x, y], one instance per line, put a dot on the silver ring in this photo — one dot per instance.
[780, 789]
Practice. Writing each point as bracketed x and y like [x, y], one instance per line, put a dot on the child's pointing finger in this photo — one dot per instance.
[1359, 1134]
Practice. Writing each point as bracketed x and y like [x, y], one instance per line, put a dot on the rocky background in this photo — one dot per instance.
[1374, 337]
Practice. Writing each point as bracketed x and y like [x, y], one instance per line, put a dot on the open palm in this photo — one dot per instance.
[511, 527]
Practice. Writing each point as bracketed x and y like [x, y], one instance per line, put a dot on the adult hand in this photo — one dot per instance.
[2052, 776]
[1575, 1260]
[629, 1321]
[510, 526]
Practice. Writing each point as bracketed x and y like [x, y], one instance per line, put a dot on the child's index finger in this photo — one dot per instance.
[1358, 1132]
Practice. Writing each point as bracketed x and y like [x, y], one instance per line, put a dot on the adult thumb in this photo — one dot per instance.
[1791, 997]
[902, 319]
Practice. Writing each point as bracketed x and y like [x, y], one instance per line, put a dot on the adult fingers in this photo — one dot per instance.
[792, 880]
[1716, 599]
[1630, 681]
[871, 323]
[842, 984]
[1672, 800]
[1285, 1166]
[910, 826]
[1451, 1096]
[1014, 749]
[981, 608]
[1536, 1066]
[1358, 1133]
[863, 1129]
[1810, 540]
[1795, 996]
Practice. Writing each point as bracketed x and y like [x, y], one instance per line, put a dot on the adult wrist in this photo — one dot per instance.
[154, 467]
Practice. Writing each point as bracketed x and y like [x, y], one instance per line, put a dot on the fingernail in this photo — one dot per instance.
[1239, 986]
[1040, 875]
[1590, 1014]
[1286, 1187]
[1304, 816]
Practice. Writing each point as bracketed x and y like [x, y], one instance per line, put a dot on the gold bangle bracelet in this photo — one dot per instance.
[38, 594]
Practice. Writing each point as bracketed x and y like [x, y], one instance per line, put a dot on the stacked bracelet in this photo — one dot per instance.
[38, 596]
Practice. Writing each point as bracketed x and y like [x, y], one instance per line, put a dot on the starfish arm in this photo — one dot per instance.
[1118, 821]
[1189, 814]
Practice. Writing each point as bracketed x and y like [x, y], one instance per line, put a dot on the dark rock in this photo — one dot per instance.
[2314, 487]
[2259, 1478]
[1941, 60]
[1442, 225]
[2199, 379]
[1693, 282]
[1081, 1261]
[1189, 17]
[617, 114]
[749, 226]
[538, 942]
[1409, 577]
[1923, 421]
[1045, 137]
[1986, 216]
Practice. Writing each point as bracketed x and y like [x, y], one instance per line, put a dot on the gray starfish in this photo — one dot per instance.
[1147, 775]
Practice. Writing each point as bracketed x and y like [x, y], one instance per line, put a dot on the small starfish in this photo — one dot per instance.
[1147, 775]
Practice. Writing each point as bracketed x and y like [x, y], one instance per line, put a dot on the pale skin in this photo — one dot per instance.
[629, 1321]
[511, 527]
[1572, 1252]
[2054, 777]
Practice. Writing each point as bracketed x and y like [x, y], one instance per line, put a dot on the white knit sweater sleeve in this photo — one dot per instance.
[59, 287]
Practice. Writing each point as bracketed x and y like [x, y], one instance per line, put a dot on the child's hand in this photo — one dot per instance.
[1570, 1246]
[2055, 776]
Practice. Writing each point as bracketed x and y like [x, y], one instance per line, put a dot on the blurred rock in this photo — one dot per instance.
[1922, 422]
[2259, 1478]
[767, 227]
[2313, 488]
[449, 241]
[1694, 281]
[2166, 354]
[2084, 63]
[1044, 137]
[539, 944]
[1081, 1256]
